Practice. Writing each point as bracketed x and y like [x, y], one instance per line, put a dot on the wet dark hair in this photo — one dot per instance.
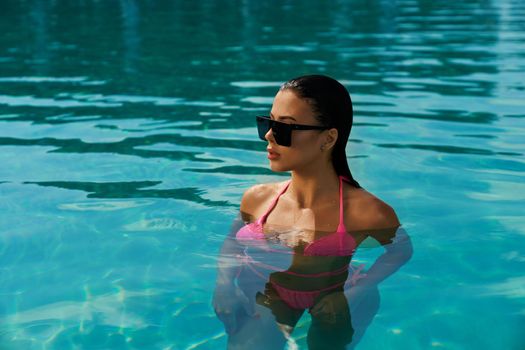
[332, 102]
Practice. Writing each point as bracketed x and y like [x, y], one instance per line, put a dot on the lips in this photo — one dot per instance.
[272, 155]
[271, 151]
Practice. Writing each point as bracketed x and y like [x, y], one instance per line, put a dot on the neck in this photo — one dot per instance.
[316, 186]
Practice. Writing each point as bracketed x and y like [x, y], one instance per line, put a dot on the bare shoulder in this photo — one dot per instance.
[255, 198]
[374, 215]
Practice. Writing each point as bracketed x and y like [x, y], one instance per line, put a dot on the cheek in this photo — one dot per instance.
[303, 151]
[304, 141]
[303, 148]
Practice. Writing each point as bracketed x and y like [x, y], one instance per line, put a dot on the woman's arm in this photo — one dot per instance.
[227, 262]
[228, 298]
[384, 228]
[397, 252]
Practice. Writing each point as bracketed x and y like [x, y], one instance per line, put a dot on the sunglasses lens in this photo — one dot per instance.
[281, 132]
[263, 125]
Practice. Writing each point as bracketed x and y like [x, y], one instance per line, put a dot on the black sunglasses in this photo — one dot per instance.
[282, 132]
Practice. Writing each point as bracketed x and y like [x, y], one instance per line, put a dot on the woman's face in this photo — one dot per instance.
[305, 147]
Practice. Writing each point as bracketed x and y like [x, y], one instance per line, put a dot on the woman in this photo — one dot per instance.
[330, 213]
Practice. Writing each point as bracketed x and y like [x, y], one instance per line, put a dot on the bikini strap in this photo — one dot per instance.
[341, 228]
[262, 219]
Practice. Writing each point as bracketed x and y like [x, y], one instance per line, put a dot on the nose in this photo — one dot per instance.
[269, 135]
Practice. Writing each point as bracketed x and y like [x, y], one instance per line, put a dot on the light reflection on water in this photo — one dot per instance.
[127, 138]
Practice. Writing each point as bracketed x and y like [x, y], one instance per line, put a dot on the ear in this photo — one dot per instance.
[331, 137]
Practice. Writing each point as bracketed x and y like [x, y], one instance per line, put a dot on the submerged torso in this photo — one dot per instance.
[317, 259]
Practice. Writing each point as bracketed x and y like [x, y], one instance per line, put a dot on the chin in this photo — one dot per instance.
[278, 168]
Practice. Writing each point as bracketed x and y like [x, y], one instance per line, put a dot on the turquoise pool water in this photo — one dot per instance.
[127, 138]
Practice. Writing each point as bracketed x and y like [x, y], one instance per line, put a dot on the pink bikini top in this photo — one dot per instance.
[338, 243]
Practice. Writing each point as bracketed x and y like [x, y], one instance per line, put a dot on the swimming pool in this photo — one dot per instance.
[127, 137]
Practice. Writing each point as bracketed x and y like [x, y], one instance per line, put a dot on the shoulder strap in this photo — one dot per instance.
[262, 219]
[341, 227]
